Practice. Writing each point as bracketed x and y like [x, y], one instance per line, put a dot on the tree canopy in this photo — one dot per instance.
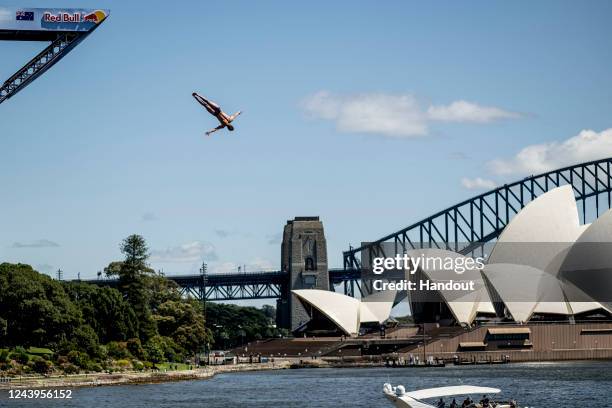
[144, 318]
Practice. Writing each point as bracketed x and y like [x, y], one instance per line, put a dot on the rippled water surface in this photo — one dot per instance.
[575, 384]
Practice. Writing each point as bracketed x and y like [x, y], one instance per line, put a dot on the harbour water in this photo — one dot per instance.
[558, 384]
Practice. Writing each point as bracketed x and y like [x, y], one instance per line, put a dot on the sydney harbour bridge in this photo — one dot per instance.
[471, 223]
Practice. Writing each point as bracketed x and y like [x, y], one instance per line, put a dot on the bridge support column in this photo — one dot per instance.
[304, 256]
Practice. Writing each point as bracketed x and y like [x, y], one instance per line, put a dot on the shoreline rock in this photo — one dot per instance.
[125, 378]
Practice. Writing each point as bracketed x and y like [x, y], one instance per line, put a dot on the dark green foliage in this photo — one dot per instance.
[79, 358]
[69, 368]
[118, 350]
[85, 339]
[134, 346]
[269, 311]
[41, 365]
[132, 284]
[104, 310]
[36, 308]
[184, 323]
[155, 349]
[86, 326]
[3, 328]
[19, 355]
[233, 325]
[161, 290]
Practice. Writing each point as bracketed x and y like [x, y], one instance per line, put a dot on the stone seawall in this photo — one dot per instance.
[99, 379]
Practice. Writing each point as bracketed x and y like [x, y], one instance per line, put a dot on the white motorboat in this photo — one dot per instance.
[413, 399]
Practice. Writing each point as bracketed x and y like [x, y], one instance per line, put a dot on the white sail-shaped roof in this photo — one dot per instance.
[583, 307]
[463, 305]
[485, 305]
[346, 312]
[551, 223]
[550, 220]
[579, 301]
[341, 309]
[522, 288]
[588, 264]
[377, 306]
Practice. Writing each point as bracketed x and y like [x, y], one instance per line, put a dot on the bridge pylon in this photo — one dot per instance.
[304, 258]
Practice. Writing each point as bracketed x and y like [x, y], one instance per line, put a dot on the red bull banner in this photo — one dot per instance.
[51, 19]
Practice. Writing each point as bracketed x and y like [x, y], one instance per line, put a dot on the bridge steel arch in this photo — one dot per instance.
[464, 227]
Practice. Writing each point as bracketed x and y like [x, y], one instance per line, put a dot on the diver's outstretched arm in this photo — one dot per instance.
[215, 129]
[234, 116]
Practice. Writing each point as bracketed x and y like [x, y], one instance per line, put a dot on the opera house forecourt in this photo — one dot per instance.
[543, 290]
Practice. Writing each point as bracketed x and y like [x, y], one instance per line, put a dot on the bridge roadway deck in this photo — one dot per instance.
[234, 286]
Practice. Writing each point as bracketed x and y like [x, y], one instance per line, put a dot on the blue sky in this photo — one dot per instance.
[371, 116]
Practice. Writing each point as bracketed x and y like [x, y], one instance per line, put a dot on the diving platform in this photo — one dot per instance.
[64, 29]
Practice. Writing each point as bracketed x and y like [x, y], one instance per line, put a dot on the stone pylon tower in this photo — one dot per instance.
[304, 256]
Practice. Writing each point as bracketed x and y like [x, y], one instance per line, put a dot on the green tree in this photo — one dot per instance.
[3, 329]
[118, 350]
[132, 283]
[36, 309]
[269, 311]
[79, 358]
[238, 323]
[155, 349]
[105, 310]
[161, 290]
[20, 355]
[41, 366]
[183, 321]
[135, 347]
[85, 339]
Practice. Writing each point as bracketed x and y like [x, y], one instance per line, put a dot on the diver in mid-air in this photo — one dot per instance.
[216, 111]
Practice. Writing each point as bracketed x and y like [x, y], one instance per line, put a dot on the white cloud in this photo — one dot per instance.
[40, 243]
[538, 158]
[464, 111]
[458, 156]
[195, 251]
[477, 183]
[394, 115]
[149, 216]
[388, 115]
[323, 105]
[221, 233]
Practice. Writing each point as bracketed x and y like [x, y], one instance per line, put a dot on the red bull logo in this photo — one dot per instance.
[74, 17]
[96, 17]
[62, 18]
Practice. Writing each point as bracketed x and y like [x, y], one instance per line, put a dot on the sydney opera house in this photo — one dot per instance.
[545, 266]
